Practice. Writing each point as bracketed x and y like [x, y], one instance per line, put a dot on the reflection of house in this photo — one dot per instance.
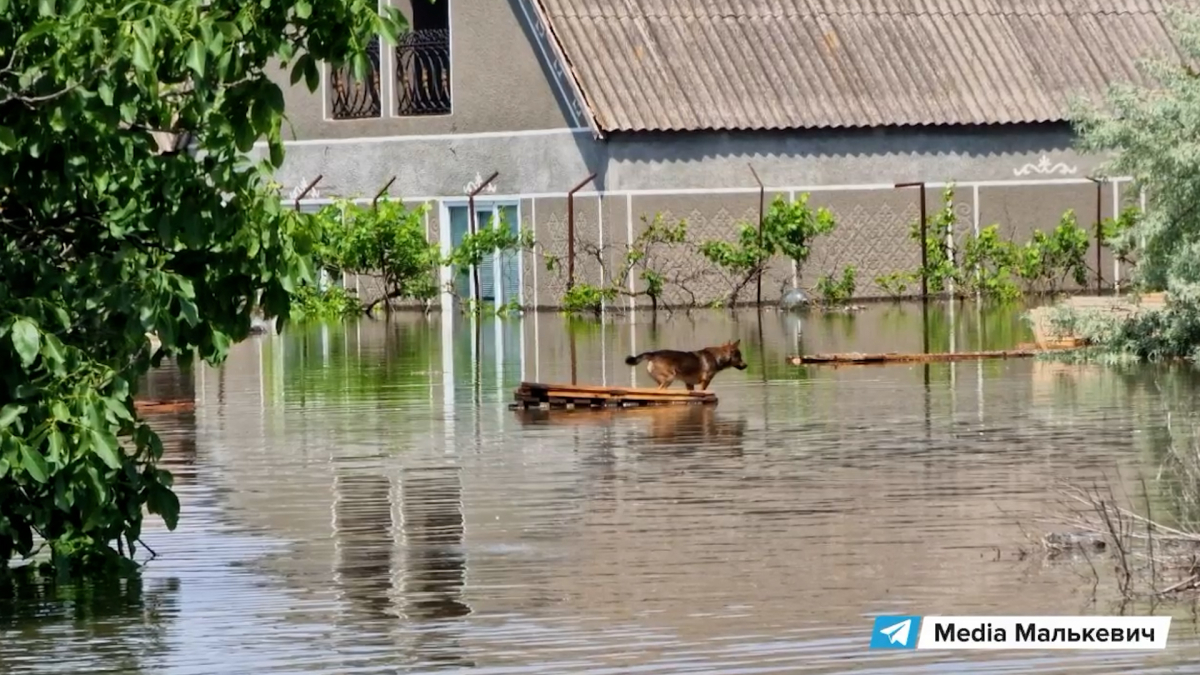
[666, 103]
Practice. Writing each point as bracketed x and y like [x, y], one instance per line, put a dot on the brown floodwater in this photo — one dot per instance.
[359, 499]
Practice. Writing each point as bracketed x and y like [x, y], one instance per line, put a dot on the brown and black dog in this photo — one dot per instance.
[691, 368]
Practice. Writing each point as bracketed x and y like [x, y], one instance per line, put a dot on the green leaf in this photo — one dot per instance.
[3, 8]
[164, 502]
[34, 464]
[26, 340]
[298, 68]
[8, 140]
[52, 352]
[10, 413]
[45, 7]
[118, 409]
[3, 462]
[105, 445]
[189, 312]
[142, 59]
[312, 74]
[273, 95]
[197, 58]
[54, 444]
[303, 9]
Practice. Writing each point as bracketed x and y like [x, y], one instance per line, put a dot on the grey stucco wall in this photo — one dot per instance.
[554, 162]
[499, 81]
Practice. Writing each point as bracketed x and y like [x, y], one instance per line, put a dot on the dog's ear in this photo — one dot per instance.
[735, 343]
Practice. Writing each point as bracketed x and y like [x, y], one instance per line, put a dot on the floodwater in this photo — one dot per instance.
[359, 499]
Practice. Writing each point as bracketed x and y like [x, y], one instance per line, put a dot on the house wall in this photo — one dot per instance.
[499, 82]
[1022, 178]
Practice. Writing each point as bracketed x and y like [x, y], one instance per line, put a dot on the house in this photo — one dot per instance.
[674, 107]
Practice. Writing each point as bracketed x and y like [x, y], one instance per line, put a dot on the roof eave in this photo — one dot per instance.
[589, 112]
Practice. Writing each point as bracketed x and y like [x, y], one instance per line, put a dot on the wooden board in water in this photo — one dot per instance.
[536, 394]
[892, 357]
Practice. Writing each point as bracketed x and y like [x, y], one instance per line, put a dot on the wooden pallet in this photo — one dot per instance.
[570, 396]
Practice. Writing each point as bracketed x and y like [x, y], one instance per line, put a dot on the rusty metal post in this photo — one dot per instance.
[307, 189]
[1099, 230]
[924, 237]
[474, 228]
[571, 231]
[375, 201]
[762, 197]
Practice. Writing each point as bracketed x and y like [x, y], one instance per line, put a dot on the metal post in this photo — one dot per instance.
[307, 189]
[1099, 235]
[571, 231]
[762, 196]
[924, 247]
[474, 228]
[375, 201]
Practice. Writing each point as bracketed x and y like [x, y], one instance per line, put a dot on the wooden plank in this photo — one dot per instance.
[892, 357]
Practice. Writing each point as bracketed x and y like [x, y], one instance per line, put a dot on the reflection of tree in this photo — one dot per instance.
[116, 625]
[355, 362]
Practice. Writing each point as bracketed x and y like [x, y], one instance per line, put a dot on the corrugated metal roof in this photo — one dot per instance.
[784, 64]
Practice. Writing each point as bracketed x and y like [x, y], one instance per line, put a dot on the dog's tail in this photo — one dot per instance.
[634, 360]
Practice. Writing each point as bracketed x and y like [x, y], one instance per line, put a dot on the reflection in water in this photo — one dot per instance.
[363, 534]
[434, 561]
[133, 613]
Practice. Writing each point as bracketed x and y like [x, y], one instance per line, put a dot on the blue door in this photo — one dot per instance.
[510, 261]
[509, 282]
[460, 225]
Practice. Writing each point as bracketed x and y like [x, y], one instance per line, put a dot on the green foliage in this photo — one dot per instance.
[587, 299]
[643, 257]
[991, 266]
[332, 304]
[1120, 234]
[1152, 134]
[788, 230]
[496, 238]
[386, 239]
[834, 291]
[108, 236]
[1154, 335]
[1047, 260]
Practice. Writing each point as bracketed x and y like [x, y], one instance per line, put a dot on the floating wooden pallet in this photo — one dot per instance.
[538, 395]
[892, 357]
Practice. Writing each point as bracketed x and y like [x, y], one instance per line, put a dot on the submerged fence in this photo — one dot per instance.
[588, 233]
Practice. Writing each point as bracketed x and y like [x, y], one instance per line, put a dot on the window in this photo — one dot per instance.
[350, 99]
[423, 61]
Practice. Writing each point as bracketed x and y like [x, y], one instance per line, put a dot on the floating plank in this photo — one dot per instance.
[892, 357]
[539, 395]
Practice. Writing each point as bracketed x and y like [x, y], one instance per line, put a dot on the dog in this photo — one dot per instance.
[691, 368]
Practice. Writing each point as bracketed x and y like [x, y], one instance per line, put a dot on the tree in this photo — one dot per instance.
[1153, 135]
[127, 208]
